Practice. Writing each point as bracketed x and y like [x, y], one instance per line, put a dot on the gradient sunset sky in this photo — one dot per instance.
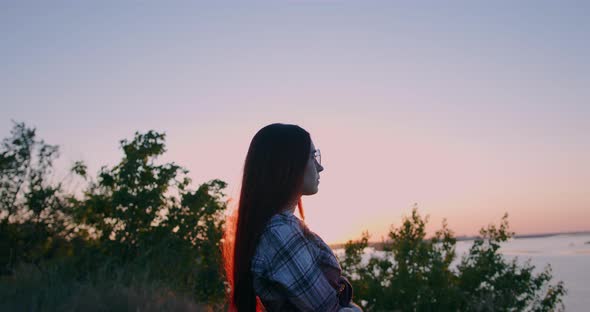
[468, 109]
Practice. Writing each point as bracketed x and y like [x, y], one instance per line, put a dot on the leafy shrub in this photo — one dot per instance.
[139, 217]
[415, 273]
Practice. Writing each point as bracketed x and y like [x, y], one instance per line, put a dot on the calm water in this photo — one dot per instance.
[569, 256]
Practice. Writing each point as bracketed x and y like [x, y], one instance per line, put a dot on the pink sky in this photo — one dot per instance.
[470, 110]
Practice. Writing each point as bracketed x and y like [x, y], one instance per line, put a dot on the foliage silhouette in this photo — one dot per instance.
[33, 213]
[139, 218]
[416, 274]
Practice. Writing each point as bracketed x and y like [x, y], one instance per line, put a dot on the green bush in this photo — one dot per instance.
[139, 223]
[415, 273]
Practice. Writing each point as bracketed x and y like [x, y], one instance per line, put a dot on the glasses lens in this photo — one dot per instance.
[318, 156]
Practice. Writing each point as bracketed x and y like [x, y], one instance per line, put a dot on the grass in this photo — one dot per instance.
[55, 288]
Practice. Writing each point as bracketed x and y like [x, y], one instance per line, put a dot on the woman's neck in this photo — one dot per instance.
[290, 207]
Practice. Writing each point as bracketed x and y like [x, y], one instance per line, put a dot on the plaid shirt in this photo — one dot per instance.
[290, 270]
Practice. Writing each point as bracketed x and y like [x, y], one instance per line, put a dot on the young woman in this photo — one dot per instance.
[279, 264]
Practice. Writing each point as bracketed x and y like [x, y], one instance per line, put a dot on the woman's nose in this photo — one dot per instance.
[320, 167]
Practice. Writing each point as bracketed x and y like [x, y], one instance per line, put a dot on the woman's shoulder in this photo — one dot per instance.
[282, 218]
[282, 230]
[281, 226]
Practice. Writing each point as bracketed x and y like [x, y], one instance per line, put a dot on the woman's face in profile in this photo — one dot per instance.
[311, 176]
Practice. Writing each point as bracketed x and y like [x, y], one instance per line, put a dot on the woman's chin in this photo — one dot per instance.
[311, 192]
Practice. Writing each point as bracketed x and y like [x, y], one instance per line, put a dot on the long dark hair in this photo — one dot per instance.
[273, 178]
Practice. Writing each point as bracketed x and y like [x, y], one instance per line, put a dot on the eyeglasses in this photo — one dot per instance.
[317, 156]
